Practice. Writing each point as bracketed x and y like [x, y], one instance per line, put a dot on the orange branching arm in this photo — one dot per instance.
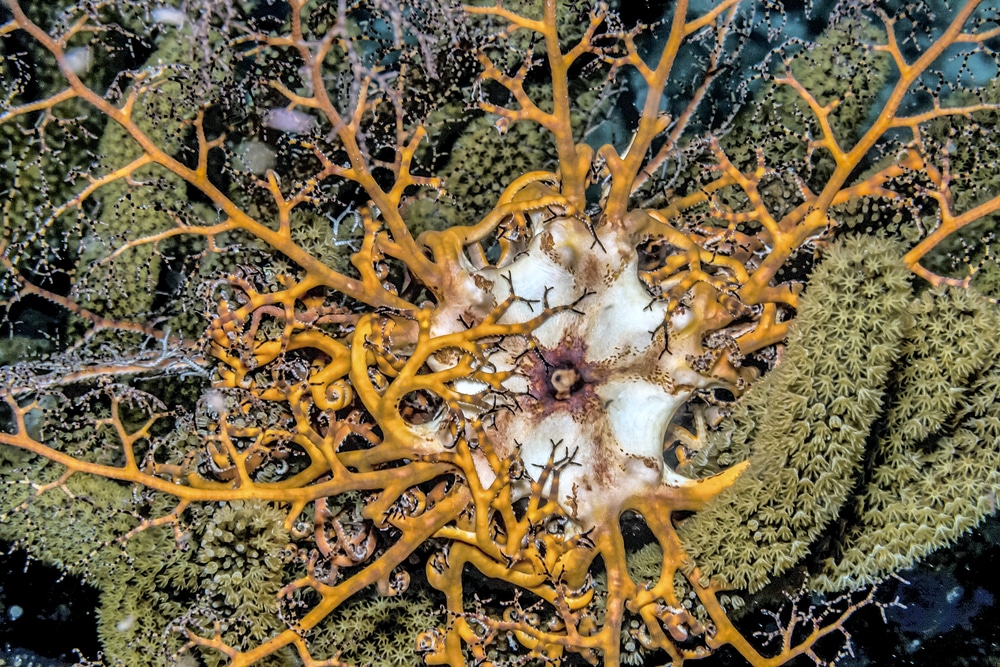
[653, 122]
[574, 158]
[197, 176]
[802, 224]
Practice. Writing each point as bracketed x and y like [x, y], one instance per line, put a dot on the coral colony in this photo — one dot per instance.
[507, 334]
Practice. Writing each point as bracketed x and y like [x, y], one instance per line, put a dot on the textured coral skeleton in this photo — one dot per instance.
[494, 401]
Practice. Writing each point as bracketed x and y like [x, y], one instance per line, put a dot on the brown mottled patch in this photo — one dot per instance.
[650, 462]
[548, 242]
[471, 317]
[605, 452]
[482, 283]
[590, 272]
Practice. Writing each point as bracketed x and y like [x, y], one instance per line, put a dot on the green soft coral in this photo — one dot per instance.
[152, 200]
[883, 416]
[803, 427]
[227, 571]
[936, 459]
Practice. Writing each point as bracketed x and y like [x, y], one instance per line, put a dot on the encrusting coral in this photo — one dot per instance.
[649, 381]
